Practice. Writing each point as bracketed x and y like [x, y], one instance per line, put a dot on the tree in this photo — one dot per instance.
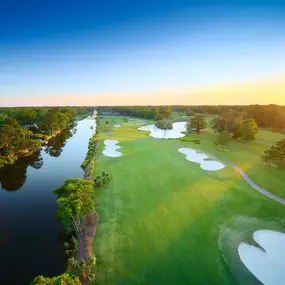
[163, 113]
[228, 121]
[224, 138]
[26, 116]
[55, 121]
[63, 279]
[15, 140]
[84, 269]
[197, 123]
[248, 129]
[3, 118]
[190, 112]
[75, 201]
[271, 116]
[276, 154]
[164, 124]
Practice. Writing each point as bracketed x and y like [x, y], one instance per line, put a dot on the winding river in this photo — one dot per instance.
[31, 240]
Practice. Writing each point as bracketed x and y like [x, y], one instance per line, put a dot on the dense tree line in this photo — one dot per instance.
[146, 112]
[266, 116]
[88, 163]
[271, 116]
[21, 128]
[161, 114]
[236, 124]
[56, 120]
[15, 141]
[34, 115]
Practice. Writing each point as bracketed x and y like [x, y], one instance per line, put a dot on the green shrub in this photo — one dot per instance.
[61, 279]
[187, 139]
[102, 179]
[92, 146]
[164, 125]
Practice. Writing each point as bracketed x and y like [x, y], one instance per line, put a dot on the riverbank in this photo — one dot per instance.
[6, 160]
[27, 203]
[87, 233]
[86, 236]
[38, 140]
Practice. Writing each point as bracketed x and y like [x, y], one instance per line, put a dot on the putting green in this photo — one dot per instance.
[160, 218]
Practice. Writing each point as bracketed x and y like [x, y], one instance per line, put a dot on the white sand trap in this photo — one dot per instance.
[111, 148]
[194, 156]
[268, 266]
[157, 133]
[117, 126]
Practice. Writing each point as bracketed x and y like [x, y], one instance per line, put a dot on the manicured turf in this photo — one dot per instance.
[163, 220]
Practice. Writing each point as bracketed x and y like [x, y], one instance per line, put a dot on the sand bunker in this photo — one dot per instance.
[111, 148]
[194, 156]
[117, 126]
[267, 265]
[157, 133]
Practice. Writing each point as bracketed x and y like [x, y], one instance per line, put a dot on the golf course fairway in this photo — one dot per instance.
[165, 220]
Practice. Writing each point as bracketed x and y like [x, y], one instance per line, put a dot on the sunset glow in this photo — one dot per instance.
[264, 91]
[173, 52]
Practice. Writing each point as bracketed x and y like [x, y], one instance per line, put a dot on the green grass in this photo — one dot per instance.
[179, 117]
[162, 219]
[248, 156]
[269, 136]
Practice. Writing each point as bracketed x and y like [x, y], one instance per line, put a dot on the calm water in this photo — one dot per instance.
[30, 237]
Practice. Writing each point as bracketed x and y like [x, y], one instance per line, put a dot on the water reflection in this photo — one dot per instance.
[55, 145]
[28, 228]
[13, 176]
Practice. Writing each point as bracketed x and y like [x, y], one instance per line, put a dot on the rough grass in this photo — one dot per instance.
[248, 156]
[161, 216]
[270, 136]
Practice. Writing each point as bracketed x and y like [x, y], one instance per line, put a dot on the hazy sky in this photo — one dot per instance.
[142, 52]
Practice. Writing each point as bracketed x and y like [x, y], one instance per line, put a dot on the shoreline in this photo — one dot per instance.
[42, 142]
[11, 160]
[86, 235]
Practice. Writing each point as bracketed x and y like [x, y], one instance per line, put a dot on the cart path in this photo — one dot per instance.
[250, 182]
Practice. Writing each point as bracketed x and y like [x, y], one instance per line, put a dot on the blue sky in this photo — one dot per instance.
[73, 48]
